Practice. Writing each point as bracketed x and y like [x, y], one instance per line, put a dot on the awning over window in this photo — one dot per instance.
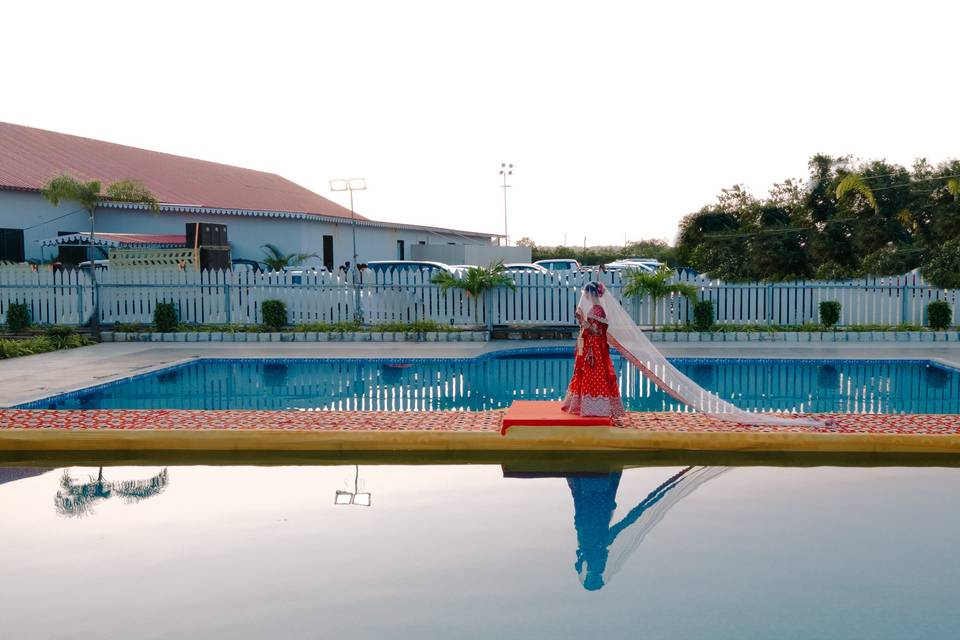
[117, 240]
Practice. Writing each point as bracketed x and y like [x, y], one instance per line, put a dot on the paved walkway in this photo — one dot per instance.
[35, 377]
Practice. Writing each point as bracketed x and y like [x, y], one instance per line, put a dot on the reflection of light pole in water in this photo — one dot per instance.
[346, 497]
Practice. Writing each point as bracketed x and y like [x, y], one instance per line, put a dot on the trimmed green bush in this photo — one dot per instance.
[829, 313]
[165, 317]
[18, 317]
[703, 315]
[939, 315]
[274, 314]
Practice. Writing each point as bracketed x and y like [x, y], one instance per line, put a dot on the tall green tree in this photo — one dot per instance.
[88, 195]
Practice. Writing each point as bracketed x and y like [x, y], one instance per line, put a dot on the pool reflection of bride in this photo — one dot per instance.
[603, 548]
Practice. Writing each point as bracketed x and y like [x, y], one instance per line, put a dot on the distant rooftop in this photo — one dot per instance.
[29, 157]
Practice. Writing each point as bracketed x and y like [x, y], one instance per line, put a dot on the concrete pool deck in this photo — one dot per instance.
[34, 377]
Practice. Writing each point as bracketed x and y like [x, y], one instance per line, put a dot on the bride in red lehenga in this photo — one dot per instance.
[594, 390]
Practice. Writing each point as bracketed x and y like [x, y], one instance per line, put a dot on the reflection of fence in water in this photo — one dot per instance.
[847, 387]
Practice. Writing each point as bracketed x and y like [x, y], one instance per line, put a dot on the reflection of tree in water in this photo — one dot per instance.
[77, 499]
[604, 549]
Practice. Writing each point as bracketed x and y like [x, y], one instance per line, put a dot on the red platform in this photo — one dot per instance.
[533, 413]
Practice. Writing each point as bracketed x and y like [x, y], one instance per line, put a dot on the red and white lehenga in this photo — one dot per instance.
[594, 390]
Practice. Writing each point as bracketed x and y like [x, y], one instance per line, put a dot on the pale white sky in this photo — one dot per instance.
[620, 116]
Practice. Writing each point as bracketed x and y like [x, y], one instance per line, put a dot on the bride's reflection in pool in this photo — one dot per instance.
[602, 547]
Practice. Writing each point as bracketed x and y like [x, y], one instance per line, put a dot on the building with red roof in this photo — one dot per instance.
[257, 207]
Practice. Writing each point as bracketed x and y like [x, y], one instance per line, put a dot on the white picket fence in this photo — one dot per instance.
[215, 297]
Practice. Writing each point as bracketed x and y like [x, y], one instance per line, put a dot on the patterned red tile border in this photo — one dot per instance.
[442, 421]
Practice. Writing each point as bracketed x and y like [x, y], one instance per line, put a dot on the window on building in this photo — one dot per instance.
[422, 242]
[11, 245]
[400, 248]
[328, 252]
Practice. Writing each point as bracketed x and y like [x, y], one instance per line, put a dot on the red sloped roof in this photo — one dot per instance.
[29, 157]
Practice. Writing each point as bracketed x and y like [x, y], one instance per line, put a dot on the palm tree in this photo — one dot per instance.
[277, 259]
[88, 196]
[656, 285]
[77, 499]
[476, 281]
[854, 182]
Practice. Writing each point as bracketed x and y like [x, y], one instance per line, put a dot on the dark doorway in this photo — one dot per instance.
[328, 252]
[11, 245]
[400, 248]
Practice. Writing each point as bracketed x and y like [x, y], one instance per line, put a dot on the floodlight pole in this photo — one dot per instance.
[506, 170]
[351, 185]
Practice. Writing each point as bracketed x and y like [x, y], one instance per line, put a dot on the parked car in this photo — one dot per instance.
[242, 264]
[101, 265]
[620, 265]
[559, 265]
[395, 266]
[524, 267]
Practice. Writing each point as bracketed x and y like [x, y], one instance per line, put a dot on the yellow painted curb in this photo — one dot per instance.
[534, 439]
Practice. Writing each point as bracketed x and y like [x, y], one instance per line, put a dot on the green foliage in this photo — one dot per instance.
[42, 344]
[130, 190]
[18, 317]
[641, 284]
[276, 259]
[703, 315]
[66, 187]
[848, 219]
[832, 271]
[164, 317]
[274, 313]
[88, 194]
[476, 280]
[939, 315]
[942, 269]
[829, 313]
[888, 261]
[855, 183]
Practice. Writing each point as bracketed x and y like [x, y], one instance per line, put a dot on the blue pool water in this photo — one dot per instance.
[480, 551]
[487, 383]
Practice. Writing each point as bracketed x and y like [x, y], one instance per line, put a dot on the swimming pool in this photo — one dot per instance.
[874, 386]
[480, 551]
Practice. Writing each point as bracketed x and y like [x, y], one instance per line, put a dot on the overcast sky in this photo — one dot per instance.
[620, 117]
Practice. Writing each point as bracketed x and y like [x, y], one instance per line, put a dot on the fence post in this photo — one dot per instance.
[769, 304]
[487, 310]
[903, 304]
[226, 297]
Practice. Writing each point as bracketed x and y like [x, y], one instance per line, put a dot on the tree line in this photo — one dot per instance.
[849, 219]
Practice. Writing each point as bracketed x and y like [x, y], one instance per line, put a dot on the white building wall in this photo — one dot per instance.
[474, 254]
[247, 234]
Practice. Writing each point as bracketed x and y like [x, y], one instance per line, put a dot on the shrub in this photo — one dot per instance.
[165, 317]
[703, 315]
[832, 271]
[829, 313]
[274, 314]
[939, 315]
[18, 317]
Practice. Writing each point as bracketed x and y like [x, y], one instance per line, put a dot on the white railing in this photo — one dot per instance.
[215, 297]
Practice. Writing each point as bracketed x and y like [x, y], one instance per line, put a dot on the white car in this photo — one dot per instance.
[524, 267]
[559, 265]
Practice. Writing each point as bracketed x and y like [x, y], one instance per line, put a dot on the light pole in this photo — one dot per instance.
[355, 496]
[351, 185]
[506, 170]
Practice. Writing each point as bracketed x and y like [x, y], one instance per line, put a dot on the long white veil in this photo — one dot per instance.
[627, 338]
